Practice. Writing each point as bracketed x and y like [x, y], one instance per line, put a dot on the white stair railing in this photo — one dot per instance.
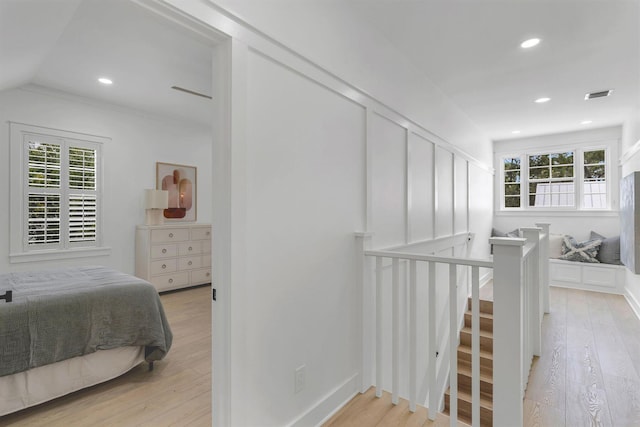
[518, 281]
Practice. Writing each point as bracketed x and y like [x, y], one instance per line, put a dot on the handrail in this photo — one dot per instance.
[435, 258]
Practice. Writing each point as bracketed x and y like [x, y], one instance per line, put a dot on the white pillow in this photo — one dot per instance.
[555, 245]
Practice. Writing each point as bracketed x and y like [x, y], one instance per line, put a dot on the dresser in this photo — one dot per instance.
[173, 256]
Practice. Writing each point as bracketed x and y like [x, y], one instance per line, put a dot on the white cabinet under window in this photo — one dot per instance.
[174, 256]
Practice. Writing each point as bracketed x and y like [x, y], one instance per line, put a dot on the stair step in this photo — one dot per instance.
[486, 339]
[465, 410]
[464, 379]
[485, 306]
[486, 321]
[486, 357]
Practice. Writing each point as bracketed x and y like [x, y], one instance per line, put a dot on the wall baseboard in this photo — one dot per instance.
[331, 403]
[633, 302]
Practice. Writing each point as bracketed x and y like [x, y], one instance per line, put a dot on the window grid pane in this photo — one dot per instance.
[594, 180]
[511, 182]
[44, 218]
[82, 218]
[82, 168]
[550, 180]
[44, 165]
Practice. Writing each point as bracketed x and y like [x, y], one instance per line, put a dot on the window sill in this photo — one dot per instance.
[560, 213]
[48, 255]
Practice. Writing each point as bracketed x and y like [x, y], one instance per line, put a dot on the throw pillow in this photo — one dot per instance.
[609, 252]
[555, 245]
[498, 233]
[580, 252]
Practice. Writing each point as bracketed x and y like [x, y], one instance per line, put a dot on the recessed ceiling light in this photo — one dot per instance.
[542, 100]
[529, 43]
[515, 131]
[586, 122]
[105, 81]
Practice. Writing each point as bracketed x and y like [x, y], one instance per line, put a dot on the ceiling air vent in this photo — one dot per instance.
[600, 94]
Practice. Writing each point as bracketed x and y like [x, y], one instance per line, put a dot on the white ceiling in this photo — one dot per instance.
[67, 44]
[470, 49]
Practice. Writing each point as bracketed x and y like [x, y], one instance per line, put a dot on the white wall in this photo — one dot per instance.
[576, 223]
[137, 142]
[630, 162]
[322, 111]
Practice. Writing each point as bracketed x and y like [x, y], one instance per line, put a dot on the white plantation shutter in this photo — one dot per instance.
[82, 218]
[61, 192]
[44, 219]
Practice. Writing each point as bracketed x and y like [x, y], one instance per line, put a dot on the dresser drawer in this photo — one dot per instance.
[188, 263]
[164, 266]
[169, 235]
[206, 246]
[201, 276]
[206, 260]
[189, 248]
[169, 281]
[163, 251]
[200, 233]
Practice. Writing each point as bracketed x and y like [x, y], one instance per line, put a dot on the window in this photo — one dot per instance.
[551, 180]
[560, 179]
[56, 192]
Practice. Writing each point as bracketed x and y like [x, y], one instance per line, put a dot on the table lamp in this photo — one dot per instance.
[155, 201]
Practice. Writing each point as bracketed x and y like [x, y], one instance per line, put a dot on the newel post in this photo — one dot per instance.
[544, 264]
[507, 331]
[534, 288]
[365, 290]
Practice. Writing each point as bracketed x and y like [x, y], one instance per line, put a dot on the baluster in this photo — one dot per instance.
[431, 368]
[453, 345]
[379, 326]
[395, 325]
[475, 346]
[413, 336]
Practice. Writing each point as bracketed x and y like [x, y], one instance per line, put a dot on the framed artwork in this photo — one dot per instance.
[180, 181]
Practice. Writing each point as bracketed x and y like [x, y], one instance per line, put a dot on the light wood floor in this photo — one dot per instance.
[588, 375]
[176, 393]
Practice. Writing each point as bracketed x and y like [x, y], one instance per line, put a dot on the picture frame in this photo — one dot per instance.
[181, 183]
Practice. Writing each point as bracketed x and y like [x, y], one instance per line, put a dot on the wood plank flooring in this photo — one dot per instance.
[176, 393]
[588, 374]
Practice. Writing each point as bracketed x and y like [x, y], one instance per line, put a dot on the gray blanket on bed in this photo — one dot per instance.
[64, 313]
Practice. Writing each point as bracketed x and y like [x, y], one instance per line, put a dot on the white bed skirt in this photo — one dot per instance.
[38, 385]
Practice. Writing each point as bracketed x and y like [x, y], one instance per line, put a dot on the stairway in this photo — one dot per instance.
[486, 367]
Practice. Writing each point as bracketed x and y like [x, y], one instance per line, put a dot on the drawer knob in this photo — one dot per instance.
[190, 248]
[190, 262]
[208, 233]
[164, 251]
[208, 274]
[164, 265]
[170, 234]
[170, 280]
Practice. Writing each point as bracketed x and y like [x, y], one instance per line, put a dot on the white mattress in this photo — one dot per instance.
[38, 385]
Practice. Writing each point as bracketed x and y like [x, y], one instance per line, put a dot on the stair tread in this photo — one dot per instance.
[484, 402]
[481, 314]
[483, 353]
[464, 368]
[483, 333]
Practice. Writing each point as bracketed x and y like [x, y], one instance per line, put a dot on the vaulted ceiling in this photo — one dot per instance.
[469, 49]
[66, 45]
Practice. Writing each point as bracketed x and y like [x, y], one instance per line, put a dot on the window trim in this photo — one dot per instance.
[578, 179]
[19, 250]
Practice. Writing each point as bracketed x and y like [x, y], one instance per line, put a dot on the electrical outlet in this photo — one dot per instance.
[300, 374]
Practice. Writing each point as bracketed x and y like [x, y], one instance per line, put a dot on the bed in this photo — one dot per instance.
[66, 329]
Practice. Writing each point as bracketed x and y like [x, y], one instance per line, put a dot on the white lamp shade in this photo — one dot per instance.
[156, 199]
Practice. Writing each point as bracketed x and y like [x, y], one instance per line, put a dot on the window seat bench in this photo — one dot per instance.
[608, 278]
